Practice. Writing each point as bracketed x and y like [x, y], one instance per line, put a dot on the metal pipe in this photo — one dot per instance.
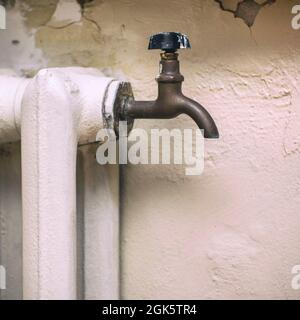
[11, 93]
[60, 108]
[171, 102]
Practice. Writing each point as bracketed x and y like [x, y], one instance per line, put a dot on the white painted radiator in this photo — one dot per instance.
[64, 242]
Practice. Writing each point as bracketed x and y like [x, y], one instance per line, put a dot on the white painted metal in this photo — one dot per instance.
[60, 108]
[101, 227]
[12, 90]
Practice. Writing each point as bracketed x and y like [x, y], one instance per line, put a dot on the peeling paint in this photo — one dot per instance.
[37, 13]
[19, 40]
[67, 12]
[247, 10]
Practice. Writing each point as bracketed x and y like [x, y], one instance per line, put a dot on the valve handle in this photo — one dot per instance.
[169, 41]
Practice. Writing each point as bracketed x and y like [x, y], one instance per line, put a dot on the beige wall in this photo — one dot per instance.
[233, 232]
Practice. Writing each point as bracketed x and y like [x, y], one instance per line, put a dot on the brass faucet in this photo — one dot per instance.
[170, 101]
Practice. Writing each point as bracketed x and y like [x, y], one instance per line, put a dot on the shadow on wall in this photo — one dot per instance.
[7, 3]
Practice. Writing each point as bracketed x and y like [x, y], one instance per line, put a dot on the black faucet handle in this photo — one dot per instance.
[169, 41]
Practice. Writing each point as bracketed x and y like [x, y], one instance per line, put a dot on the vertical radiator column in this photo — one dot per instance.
[60, 108]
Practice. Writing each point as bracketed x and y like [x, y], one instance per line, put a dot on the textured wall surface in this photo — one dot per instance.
[234, 231]
[10, 217]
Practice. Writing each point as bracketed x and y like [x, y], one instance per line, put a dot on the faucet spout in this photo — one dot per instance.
[201, 116]
[168, 107]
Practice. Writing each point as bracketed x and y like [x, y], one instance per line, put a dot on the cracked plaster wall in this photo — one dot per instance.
[234, 231]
